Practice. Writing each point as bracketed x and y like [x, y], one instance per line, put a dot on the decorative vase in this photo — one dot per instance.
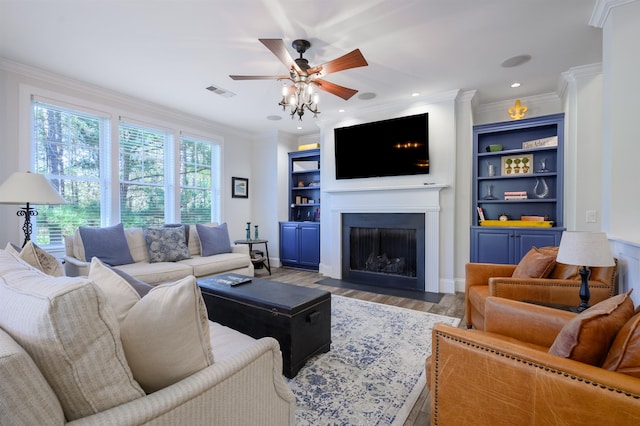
[489, 195]
[255, 235]
[248, 230]
[541, 189]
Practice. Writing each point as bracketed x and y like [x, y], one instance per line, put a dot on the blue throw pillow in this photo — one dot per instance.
[166, 244]
[108, 244]
[214, 240]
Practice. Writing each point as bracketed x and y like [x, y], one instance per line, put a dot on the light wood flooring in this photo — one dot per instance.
[451, 305]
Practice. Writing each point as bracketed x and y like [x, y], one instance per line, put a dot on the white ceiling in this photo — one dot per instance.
[169, 51]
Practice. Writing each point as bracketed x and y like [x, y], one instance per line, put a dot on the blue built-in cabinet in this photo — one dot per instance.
[535, 168]
[300, 236]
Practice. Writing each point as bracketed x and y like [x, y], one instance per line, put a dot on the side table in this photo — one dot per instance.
[264, 261]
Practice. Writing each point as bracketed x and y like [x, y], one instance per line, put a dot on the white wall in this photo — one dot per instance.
[583, 147]
[621, 194]
[15, 82]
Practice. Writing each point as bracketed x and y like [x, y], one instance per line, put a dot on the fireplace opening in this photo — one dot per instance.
[384, 249]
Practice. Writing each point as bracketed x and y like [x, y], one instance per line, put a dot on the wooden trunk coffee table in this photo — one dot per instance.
[298, 317]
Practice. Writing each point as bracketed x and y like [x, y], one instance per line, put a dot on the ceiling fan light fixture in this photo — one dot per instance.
[300, 95]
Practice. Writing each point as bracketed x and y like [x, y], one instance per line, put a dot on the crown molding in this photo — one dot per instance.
[576, 73]
[550, 99]
[602, 9]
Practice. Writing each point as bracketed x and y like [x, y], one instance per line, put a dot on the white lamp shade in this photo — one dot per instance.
[26, 187]
[585, 249]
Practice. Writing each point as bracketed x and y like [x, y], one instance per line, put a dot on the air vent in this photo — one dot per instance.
[220, 91]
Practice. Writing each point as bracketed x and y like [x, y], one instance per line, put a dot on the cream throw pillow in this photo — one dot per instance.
[165, 334]
[120, 294]
[38, 258]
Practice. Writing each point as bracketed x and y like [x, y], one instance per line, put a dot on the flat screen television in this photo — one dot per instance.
[394, 147]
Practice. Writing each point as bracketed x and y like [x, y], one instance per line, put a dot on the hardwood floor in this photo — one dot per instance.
[451, 305]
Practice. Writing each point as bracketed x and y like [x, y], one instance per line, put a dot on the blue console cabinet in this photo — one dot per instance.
[300, 244]
[517, 157]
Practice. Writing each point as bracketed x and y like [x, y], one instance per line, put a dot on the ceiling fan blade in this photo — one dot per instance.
[259, 77]
[335, 89]
[353, 59]
[278, 48]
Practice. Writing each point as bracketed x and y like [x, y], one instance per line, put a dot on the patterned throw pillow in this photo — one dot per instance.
[166, 244]
[38, 258]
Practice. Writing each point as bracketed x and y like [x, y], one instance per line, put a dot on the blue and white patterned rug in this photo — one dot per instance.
[373, 373]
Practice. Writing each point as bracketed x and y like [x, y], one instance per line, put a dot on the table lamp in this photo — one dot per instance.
[584, 249]
[28, 188]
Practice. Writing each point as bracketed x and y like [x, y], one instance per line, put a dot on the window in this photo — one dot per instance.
[199, 180]
[142, 175]
[160, 178]
[67, 151]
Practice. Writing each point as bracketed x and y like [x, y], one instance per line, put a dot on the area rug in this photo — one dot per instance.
[374, 372]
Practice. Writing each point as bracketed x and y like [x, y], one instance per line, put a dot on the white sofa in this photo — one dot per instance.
[53, 370]
[238, 261]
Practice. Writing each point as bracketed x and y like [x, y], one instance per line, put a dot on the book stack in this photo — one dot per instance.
[515, 195]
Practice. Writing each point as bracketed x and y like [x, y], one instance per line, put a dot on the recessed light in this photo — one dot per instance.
[514, 85]
[366, 96]
[299, 127]
[514, 61]
[341, 110]
[414, 94]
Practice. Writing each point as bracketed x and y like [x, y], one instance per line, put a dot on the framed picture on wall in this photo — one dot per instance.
[239, 187]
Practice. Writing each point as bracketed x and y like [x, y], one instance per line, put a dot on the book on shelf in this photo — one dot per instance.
[515, 197]
[515, 192]
[480, 214]
[540, 143]
[532, 218]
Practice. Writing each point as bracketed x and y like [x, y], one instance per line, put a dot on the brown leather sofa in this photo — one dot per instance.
[505, 375]
[560, 287]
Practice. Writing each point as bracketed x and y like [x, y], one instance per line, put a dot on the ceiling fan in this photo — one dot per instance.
[299, 96]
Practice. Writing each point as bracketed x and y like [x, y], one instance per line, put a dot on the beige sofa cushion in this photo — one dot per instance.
[25, 396]
[210, 265]
[155, 273]
[137, 244]
[71, 333]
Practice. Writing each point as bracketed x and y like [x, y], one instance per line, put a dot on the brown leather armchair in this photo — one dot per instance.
[561, 287]
[505, 376]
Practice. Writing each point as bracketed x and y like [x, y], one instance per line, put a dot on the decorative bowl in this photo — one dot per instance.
[494, 148]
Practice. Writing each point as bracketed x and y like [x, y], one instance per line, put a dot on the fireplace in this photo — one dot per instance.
[384, 249]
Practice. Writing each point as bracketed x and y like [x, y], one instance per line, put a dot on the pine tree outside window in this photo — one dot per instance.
[67, 151]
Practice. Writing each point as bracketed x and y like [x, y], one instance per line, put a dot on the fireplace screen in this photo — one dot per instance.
[383, 250]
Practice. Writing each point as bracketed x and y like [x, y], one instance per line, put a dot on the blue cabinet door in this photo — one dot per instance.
[526, 239]
[289, 243]
[492, 245]
[509, 245]
[310, 244]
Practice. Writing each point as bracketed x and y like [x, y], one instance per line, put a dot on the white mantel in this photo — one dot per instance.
[388, 199]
